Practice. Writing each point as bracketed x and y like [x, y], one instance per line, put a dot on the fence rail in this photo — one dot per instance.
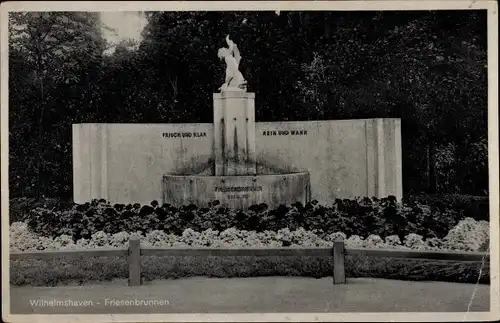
[71, 253]
[338, 252]
[417, 254]
[232, 252]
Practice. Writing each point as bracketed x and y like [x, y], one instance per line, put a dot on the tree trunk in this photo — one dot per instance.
[428, 167]
[39, 188]
[431, 167]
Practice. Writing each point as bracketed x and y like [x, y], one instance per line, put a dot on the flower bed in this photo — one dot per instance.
[468, 235]
[361, 217]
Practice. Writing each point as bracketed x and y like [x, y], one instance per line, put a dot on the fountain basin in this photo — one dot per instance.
[238, 192]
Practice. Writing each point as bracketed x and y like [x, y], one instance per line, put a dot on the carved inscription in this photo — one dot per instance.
[284, 133]
[184, 134]
[235, 197]
[238, 189]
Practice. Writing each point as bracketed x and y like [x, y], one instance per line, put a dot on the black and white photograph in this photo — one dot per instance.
[249, 161]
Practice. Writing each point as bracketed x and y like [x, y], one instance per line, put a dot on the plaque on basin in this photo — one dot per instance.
[237, 192]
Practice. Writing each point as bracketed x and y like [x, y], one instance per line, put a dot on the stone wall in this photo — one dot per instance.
[346, 158]
[126, 163]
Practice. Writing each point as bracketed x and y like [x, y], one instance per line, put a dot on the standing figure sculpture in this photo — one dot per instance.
[234, 78]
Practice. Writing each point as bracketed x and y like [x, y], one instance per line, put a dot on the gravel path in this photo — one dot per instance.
[250, 295]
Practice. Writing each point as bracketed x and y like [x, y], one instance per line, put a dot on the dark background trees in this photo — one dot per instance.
[426, 67]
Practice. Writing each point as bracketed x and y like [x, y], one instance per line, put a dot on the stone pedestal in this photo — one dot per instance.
[234, 133]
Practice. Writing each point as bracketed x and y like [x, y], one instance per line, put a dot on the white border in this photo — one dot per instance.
[492, 7]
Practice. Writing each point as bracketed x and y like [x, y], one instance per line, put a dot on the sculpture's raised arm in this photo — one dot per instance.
[230, 43]
[237, 55]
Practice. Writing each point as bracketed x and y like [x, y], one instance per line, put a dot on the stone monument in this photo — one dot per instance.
[235, 182]
[237, 160]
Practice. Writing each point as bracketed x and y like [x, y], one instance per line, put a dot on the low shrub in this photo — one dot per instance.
[362, 217]
[476, 207]
[19, 208]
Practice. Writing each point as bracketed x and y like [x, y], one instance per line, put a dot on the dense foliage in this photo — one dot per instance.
[427, 68]
[361, 217]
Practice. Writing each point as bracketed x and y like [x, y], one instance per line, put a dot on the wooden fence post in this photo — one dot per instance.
[338, 262]
[134, 261]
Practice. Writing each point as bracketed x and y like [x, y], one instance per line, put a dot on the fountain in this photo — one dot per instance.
[235, 181]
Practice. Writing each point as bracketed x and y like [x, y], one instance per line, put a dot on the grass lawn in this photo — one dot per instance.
[59, 272]
[253, 295]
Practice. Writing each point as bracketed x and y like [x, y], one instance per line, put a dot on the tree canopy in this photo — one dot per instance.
[426, 67]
